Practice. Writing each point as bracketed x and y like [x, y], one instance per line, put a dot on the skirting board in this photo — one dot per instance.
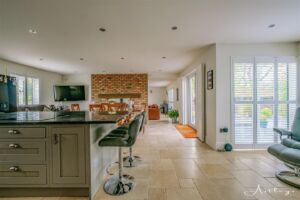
[44, 192]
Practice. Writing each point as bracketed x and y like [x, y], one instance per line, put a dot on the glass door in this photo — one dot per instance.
[191, 99]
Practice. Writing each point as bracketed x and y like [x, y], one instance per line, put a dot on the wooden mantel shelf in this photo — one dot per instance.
[116, 96]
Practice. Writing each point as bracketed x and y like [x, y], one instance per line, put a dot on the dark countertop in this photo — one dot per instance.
[80, 117]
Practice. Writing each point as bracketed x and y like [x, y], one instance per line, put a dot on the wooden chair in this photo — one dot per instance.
[119, 107]
[105, 107]
[75, 107]
[95, 107]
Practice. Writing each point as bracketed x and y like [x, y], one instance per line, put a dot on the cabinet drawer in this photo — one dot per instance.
[28, 132]
[23, 152]
[22, 174]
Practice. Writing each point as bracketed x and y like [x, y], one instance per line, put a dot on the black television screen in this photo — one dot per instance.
[69, 93]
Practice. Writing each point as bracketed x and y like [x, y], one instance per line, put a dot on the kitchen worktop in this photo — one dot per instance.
[61, 117]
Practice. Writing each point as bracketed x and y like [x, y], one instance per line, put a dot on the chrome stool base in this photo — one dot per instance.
[117, 186]
[131, 161]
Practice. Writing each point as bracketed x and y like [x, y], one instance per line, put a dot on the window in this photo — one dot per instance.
[27, 90]
[263, 97]
[171, 99]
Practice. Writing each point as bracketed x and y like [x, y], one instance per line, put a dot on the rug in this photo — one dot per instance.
[186, 131]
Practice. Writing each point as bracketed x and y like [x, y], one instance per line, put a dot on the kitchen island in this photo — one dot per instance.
[54, 153]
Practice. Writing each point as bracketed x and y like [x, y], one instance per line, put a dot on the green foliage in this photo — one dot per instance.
[173, 114]
[266, 113]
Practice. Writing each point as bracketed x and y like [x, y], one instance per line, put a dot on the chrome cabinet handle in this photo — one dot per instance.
[56, 138]
[14, 169]
[13, 132]
[13, 146]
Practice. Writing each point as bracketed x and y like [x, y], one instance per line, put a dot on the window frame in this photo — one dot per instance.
[255, 102]
[170, 102]
[26, 89]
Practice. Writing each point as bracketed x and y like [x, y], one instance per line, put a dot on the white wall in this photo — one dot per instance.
[79, 79]
[157, 95]
[224, 53]
[47, 79]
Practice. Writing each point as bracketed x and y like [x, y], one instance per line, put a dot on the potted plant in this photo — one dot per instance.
[173, 114]
[265, 114]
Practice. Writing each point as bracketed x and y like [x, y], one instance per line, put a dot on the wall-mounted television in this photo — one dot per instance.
[69, 93]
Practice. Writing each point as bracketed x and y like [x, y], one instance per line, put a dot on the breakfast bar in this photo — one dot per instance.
[51, 153]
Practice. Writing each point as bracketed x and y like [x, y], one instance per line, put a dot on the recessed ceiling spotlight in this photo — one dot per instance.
[102, 29]
[272, 25]
[32, 31]
[81, 59]
[164, 57]
[41, 59]
[174, 28]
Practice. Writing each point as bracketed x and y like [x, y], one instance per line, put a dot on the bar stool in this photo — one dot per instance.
[121, 184]
[131, 160]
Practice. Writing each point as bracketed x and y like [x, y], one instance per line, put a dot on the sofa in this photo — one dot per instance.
[289, 152]
[153, 112]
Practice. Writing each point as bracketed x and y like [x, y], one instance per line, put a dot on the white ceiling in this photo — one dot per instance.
[138, 30]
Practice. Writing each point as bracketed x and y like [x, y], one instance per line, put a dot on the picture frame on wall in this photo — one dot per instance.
[210, 79]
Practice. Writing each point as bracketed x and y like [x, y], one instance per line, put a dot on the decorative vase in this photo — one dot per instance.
[228, 147]
[174, 120]
[263, 124]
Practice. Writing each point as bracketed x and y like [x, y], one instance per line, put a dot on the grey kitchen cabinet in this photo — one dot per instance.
[22, 174]
[22, 152]
[68, 155]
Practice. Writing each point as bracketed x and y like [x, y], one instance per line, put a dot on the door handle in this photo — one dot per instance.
[13, 146]
[56, 139]
[13, 132]
[14, 169]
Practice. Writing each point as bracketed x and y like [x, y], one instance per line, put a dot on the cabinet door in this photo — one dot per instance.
[68, 155]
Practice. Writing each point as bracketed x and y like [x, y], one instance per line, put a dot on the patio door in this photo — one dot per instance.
[263, 97]
[191, 99]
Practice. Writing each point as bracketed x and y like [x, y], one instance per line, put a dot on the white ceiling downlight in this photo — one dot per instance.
[174, 28]
[272, 25]
[102, 29]
[32, 31]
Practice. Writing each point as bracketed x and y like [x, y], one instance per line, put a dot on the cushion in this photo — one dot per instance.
[118, 133]
[276, 149]
[291, 143]
[291, 156]
[113, 142]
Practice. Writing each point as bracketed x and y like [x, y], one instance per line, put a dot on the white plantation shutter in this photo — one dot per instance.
[264, 91]
[243, 100]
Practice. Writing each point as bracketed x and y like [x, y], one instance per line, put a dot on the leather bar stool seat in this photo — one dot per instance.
[121, 184]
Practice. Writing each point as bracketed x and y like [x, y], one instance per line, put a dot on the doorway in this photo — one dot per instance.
[191, 99]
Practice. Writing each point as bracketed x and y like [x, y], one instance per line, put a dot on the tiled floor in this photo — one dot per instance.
[174, 168]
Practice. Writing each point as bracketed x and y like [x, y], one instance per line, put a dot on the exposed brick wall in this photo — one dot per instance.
[121, 84]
